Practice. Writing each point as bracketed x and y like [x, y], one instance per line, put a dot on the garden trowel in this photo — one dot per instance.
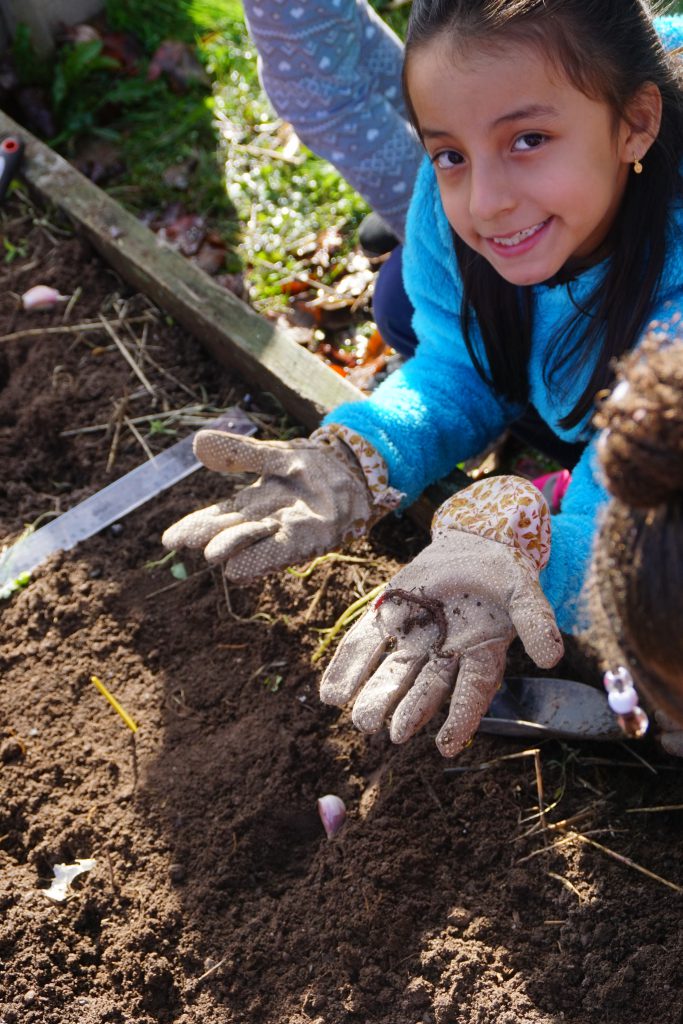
[112, 503]
[539, 708]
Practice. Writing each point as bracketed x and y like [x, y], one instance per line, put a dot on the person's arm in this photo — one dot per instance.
[333, 70]
[435, 410]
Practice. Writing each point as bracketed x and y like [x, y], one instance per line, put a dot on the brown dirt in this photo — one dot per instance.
[216, 896]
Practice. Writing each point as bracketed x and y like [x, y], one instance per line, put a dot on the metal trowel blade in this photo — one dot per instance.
[114, 501]
[540, 708]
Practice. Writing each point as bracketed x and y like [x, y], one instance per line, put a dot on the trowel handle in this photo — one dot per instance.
[11, 152]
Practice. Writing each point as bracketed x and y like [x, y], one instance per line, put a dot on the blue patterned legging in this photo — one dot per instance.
[332, 68]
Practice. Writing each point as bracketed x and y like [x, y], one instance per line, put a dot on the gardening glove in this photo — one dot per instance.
[311, 496]
[444, 623]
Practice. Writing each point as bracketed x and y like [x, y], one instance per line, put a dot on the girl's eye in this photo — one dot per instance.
[531, 140]
[447, 159]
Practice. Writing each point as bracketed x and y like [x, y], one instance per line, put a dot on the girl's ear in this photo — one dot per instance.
[642, 120]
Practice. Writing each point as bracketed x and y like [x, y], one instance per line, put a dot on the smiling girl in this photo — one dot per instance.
[545, 232]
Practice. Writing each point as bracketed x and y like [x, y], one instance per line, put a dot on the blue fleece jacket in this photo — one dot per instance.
[436, 410]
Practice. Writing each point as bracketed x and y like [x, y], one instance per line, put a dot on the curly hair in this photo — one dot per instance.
[635, 590]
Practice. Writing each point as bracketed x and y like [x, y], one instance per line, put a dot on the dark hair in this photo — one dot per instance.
[635, 593]
[608, 49]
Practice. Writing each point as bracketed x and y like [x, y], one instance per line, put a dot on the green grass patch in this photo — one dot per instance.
[259, 191]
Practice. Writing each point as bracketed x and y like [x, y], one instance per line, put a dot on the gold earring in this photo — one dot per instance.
[637, 166]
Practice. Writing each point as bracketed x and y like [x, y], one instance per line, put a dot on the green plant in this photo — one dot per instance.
[13, 252]
[171, 19]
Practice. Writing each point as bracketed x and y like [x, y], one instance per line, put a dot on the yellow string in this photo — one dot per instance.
[114, 703]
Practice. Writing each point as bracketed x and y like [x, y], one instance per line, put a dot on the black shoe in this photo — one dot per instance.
[375, 237]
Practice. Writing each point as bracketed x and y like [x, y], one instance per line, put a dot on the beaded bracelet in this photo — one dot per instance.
[623, 700]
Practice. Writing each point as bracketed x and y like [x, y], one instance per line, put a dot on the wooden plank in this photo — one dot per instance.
[236, 336]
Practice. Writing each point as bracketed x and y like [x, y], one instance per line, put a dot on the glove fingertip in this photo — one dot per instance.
[451, 742]
[545, 649]
[218, 449]
[398, 732]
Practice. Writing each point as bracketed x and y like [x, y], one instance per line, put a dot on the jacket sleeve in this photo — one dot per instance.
[435, 410]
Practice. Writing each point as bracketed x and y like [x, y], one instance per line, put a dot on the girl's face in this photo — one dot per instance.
[530, 170]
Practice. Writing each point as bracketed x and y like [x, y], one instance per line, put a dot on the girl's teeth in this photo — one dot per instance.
[520, 236]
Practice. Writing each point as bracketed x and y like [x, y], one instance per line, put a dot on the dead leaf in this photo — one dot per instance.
[177, 61]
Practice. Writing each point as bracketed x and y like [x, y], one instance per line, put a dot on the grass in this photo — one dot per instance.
[257, 188]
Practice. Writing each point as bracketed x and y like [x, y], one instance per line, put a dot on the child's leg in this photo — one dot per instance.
[334, 72]
[392, 310]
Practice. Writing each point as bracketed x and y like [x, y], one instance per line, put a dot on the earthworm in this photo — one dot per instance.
[432, 611]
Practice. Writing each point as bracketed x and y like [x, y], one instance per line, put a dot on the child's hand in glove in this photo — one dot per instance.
[311, 496]
[443, 625]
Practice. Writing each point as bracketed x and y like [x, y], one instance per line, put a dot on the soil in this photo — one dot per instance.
[216, 895]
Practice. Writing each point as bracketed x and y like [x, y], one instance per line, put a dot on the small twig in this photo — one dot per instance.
[433, 794]
[319, 594]
[134, 749]
[654, 810]
[625, 860]
[166, 373]
[127, 356]
[139, 438]
[90, 325]
[559, 825]
[490, 764]
[211, 970]
[544, 849]
[118, 419]
[638, 757]
[111, 870]
[564, 841]
[567, 884]
[189, 415]
[539, 788]
[71, 303]
[260, 617]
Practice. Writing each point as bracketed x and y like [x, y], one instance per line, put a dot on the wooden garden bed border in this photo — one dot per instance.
[235, 335]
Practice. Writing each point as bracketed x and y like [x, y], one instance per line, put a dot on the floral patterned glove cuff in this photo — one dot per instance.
[371, 462]
[508, 509]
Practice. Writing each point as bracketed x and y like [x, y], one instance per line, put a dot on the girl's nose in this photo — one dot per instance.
[491, 193]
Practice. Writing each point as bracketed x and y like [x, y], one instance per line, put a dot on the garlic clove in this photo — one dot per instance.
[41, 296]
[332, 813]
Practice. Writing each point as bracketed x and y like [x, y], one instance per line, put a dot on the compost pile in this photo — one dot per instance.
[216, 895]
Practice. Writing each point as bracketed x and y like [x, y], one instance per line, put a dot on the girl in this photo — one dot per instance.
[544, 233]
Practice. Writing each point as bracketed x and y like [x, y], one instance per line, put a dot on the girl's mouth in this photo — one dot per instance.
[520, 242]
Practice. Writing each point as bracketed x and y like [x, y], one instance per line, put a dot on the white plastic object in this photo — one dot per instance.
[64, 876]
[622, 702]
